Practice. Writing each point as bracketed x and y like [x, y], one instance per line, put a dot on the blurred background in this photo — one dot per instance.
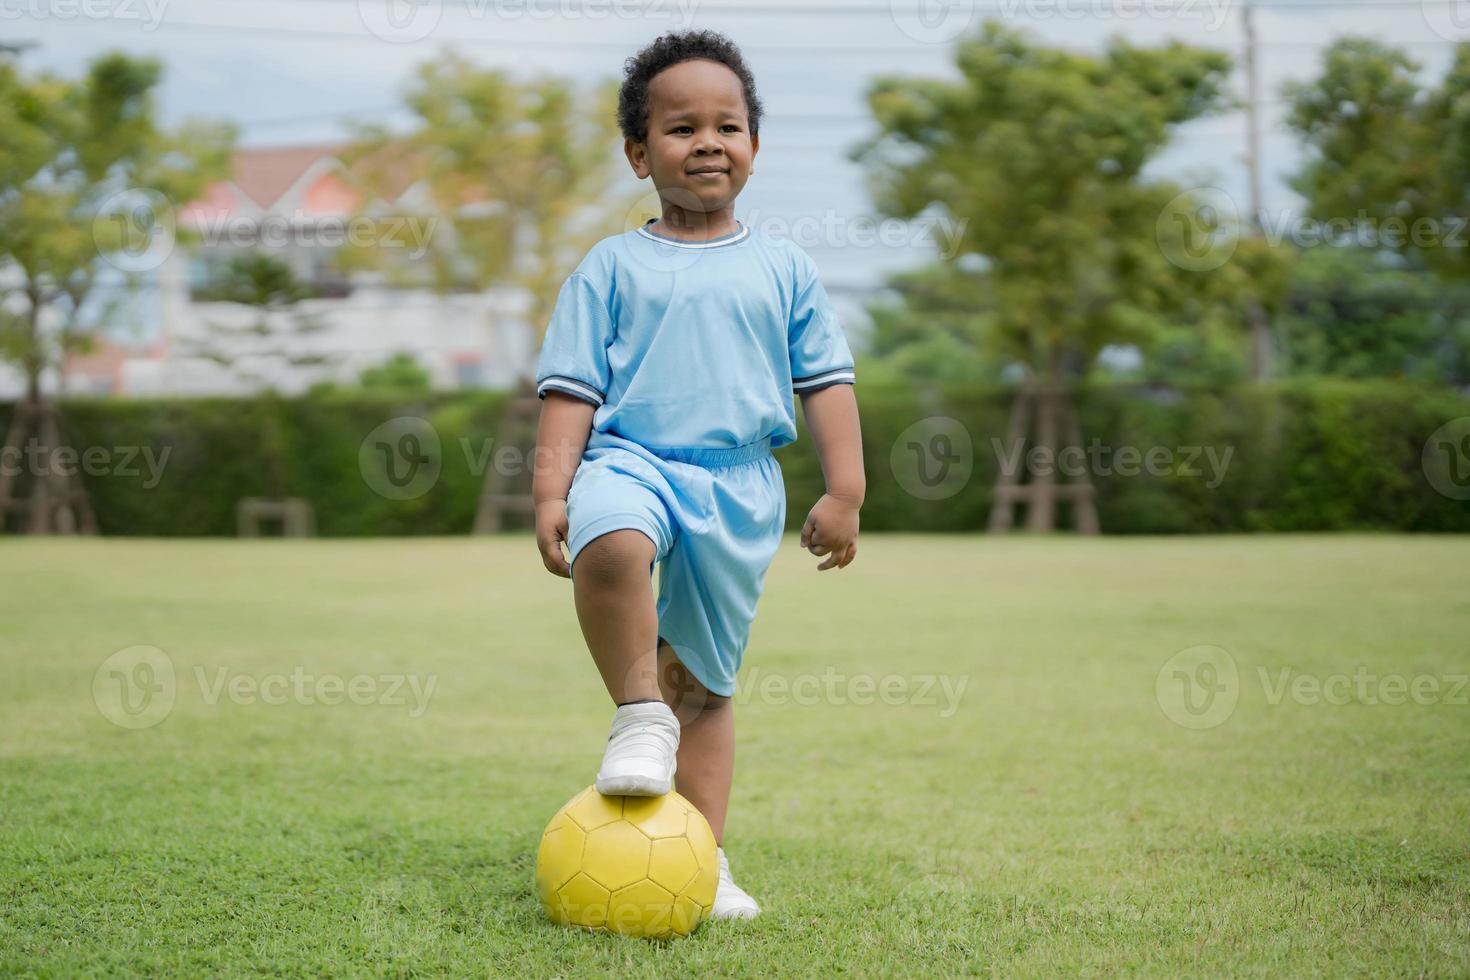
[1117, 266]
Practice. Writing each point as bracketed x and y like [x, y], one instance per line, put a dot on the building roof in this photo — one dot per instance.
[265, 174]
[310, 179]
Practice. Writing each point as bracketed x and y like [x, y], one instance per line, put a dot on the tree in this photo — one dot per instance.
[1362, 313]
[73, 157]
[279, 332]
[399, 373]
[1037, 154]
[276, 333]
[1388, 163]
[516, 175]
[935, 325]
[515, 172]
[86, 172]
[254, 279]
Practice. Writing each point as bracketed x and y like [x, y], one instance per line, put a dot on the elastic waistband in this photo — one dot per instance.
[711, 457]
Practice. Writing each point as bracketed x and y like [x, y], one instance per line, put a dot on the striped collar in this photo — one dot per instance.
[730, 239]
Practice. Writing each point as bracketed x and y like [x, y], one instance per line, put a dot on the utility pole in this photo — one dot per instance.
[1253, 122]
[1260, 326]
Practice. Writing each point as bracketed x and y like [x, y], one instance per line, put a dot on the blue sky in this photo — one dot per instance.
[290, 70]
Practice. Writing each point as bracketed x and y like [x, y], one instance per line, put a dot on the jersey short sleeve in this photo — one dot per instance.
[573, 358]
[820, 356]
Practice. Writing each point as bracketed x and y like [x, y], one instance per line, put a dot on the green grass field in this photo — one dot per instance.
[1046, 818]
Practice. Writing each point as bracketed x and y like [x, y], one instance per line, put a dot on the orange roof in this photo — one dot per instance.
[268, 172]
[264, 174]
[220, 198]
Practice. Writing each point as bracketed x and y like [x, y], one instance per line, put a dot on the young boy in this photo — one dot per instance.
[668, 375]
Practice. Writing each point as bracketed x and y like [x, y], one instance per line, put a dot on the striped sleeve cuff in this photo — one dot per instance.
[816, 382]
[570, 386]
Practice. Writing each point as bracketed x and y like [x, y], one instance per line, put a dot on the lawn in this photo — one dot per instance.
[956, 756]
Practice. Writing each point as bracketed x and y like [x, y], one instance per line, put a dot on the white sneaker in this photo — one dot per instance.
[641, 751]
[731, 901]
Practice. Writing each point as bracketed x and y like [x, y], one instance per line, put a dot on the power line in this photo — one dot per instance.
[352, 115]
[312, 34]
[805, 50]
[803, 119]
[600, 11]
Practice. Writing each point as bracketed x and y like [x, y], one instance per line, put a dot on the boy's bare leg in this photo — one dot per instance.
[613, 587]
[706, 740]
[706, 766]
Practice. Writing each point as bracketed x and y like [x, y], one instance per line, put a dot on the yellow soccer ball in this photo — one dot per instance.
[636, 865]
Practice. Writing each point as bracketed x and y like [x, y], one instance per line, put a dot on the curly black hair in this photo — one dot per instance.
[667, 51]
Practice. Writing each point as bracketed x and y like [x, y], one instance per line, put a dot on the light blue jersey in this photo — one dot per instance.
[694, 344]
[692, 353]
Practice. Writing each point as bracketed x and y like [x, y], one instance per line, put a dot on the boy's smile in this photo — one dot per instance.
[699, 149]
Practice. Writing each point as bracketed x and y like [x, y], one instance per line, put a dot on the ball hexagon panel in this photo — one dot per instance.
[560, 856]
[616, 855]
[687, 914]
[641, 909]
[702, 842]
[672, 863]
[582, 902]
[701, 838]
[702, 888]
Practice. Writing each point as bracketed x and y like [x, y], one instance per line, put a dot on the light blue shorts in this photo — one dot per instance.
[715, 517]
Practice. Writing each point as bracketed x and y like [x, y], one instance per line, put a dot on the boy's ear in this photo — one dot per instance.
[637, 154]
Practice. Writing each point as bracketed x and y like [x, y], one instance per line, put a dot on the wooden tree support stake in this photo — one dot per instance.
[1052, 408]
[507, 490]
[57, 502]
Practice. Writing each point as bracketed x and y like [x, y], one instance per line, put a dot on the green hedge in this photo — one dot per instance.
[1308, 456]
[1321, 455]
[223, 449]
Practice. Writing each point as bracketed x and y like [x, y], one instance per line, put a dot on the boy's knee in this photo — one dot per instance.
[612, 559]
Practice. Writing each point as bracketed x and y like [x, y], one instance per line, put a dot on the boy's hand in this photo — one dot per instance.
[831, 529]
[551, 531]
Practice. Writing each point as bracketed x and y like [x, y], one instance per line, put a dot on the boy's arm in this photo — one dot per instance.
[832, 526]
[561, 436]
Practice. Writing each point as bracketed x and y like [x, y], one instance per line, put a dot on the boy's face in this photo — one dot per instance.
[699, 145]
